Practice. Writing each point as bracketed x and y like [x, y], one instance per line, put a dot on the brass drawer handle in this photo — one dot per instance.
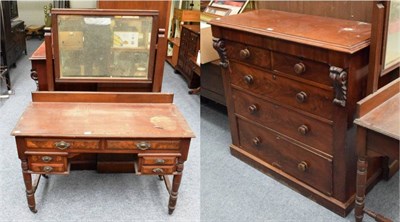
[253, 108]
[256, 141]
[143, 145]
[303, 129]
[47, 159]
[158, 170]
[299, 68]
[244, 54]
[302, 166]
[248, 79]
[47, 169]
[301, 97]
[159, 161]
[62, 145]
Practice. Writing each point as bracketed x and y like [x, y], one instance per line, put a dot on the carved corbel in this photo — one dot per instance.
[339, 77]
[219, 45]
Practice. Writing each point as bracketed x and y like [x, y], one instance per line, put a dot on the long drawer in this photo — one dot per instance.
[142, 144]
[311, 99]
[62, 144]
[288, 122]
[295, 160]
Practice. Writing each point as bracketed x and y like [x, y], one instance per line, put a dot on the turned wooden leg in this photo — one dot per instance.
[173, 195]
[362, 166]
[361, 180]
[30, 191]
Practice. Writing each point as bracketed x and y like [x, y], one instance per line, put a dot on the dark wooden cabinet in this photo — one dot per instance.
[189, 47]
[12, 35]
[292, 88]
[211, 82]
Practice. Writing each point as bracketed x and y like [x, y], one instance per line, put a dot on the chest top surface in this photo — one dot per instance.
[110, 120]
[330, 33]
[193, 28]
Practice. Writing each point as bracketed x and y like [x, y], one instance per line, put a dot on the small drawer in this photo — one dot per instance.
[143, 144]
[248, 54]
[300, 127]
[48, 168]
[47, 158]
[302, 68]
[284, 155]
[62, 144]
[157, 170]
[285, 91]
[158, 160]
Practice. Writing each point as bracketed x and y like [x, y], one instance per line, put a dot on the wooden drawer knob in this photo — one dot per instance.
[248, 79]
[299, 68]
[244, 54]
[256, 141]
[253, 108]
[303, 129]
[158, 170]
[62, 145]
[302, 166]
[143, 145]
[47, 158]
[301, 97]
[47, 169]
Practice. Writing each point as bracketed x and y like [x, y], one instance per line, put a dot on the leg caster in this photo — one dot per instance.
[160, 177]
[45, 176]
[33, 209]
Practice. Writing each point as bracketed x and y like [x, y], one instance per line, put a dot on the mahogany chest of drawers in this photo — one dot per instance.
[292, 82]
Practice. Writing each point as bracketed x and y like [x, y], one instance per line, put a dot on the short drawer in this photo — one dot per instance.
[302, 68]
[300, 127]
[284, 155]
[158, 160]
[62, 144]
[48, 168]
[285, 91]
[143, 144]
[47, 158]
[248, 54]
[157, 170]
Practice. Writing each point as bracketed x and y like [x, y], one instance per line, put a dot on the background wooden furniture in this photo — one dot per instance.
[211, 82]
[12, 34]
[189, 47]
[181, 16]
[292, 89]
[378, 135]
[156, 137]
[349, 10]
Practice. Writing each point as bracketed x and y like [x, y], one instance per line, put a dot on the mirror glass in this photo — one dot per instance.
[392, 54]
[104, 46]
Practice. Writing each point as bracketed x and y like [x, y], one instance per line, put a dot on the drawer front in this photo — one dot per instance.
[285, 121]
[62, 144]
[48, 168]
[158, 160]
[303, 68]
[157, 170]
[306, 166]
[142, 145]
[47, 158]
[249, 54]
[283, 90]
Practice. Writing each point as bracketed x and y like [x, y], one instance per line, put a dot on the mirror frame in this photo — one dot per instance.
[105, 12]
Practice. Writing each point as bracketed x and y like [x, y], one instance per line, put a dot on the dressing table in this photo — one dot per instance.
[58, 127]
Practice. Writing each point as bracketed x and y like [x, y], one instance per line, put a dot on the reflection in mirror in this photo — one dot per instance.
[392, 54]
[104, 47]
